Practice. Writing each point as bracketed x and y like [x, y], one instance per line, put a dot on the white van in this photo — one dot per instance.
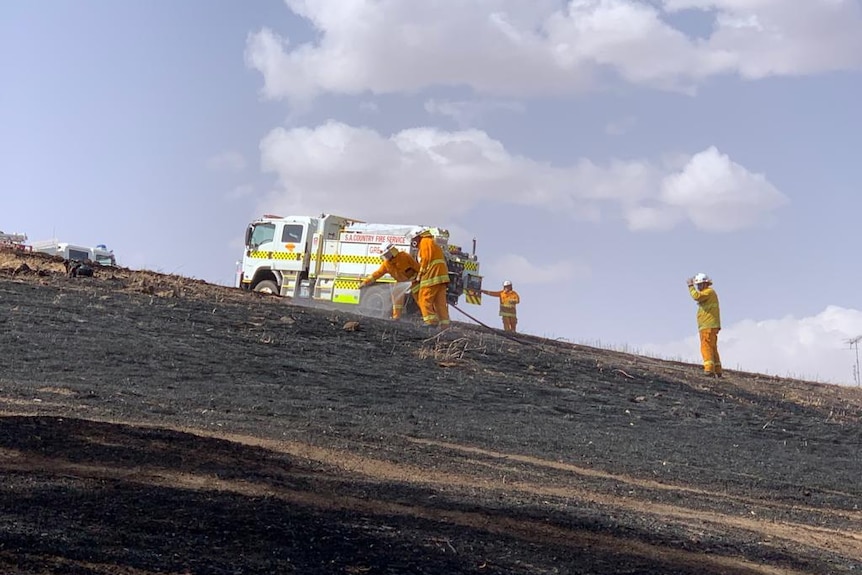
[99, 254]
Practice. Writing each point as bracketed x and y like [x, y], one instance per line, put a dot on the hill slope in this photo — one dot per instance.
[156, 424]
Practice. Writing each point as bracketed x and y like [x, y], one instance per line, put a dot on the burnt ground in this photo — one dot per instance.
[157, 424]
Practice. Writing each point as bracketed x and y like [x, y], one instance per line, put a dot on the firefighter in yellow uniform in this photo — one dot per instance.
[508, 300]
[402, 267]
[431, 284]
[708, 322]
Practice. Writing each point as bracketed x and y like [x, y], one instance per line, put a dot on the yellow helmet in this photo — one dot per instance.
[422, 233]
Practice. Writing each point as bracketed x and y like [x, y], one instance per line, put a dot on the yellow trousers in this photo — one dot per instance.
[509, 323]
[433, 305]
[709, 350]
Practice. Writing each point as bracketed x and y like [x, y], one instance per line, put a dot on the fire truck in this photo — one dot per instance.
[325, 258]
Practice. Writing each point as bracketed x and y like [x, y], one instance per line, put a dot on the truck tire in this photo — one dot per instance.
[376, 301]
[267, 286]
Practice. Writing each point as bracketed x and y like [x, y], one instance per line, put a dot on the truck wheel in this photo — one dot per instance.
[376, 301]
[267, 286]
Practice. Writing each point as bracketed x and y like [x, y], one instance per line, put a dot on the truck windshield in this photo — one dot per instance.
[260, 234]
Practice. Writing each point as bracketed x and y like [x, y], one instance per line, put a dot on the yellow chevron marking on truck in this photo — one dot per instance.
[473, 297]
[347, 259]
[275, 256]
[347, 283]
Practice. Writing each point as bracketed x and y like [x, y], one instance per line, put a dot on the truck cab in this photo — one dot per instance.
[276, 254]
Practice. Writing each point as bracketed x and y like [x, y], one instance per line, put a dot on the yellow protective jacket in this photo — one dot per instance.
[402, 267]
[508, 301]
[432, 263]
[708, 314]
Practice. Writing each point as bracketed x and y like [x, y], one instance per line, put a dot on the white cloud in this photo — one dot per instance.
[767, 39]
[813, 348]
[467, 113]
[229, 161]
[439, 174]
[655, 218]
[517, 48]
[529, 271]
[718, 194]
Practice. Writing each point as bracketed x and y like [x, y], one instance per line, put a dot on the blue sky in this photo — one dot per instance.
[600, 151]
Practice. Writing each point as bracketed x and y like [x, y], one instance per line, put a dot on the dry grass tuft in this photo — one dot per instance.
[447, 353]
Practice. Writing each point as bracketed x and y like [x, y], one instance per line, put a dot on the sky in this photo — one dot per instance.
[599, 152]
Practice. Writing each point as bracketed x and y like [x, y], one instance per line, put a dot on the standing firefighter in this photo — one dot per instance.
[508, 300]
[708, 321]
[402, 267]
[431, 284]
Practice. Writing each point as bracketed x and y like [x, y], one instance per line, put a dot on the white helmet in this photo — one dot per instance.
[385, 248]
[702, 278]
[507, 283]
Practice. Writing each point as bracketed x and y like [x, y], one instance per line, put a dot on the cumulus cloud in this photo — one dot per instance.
[766, 39]
[718, 194]
[814, 347]
[387, 46]
[435, 173]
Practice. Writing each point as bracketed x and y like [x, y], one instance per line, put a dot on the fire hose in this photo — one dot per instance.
[496, 331]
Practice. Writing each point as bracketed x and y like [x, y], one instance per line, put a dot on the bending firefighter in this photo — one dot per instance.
[430, 286]
[402, 267]
[708, 321]
[508, 300]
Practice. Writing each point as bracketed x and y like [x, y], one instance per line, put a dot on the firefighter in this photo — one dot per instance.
[402, 267]
[508, 300]
[708, 321]
[431, 284]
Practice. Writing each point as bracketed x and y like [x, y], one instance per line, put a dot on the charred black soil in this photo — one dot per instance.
[157, 424]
